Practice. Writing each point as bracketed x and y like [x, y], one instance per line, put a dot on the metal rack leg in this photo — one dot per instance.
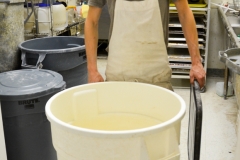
[226, 82]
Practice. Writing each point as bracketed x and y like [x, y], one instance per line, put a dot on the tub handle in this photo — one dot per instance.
[38, 65]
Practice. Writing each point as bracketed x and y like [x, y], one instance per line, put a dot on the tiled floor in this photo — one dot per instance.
[219, 121]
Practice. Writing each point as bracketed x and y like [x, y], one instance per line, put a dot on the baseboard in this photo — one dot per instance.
[212, 72]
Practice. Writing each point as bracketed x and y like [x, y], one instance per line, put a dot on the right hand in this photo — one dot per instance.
[197, 72]
[95, 77]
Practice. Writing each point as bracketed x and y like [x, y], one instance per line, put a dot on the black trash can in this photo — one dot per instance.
[23, 95]
[63, 54]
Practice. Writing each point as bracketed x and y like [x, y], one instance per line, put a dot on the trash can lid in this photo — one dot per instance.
[29, 83]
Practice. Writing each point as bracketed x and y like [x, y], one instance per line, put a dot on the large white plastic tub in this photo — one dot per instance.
[116, 121]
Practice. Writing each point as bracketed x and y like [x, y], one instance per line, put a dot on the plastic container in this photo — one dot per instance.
[78, 8]
[84, 10]
[65, 55]
[44, 18]
[59, 17]
[23, 96]
[116, 120]
[71, 14]
[220, 89]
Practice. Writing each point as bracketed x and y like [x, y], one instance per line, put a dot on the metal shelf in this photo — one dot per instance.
[193, 9]
[196, 13]
[82, 21]
[182, 45]
[55, 33]
[52, 32]
[182, 39]
[180, 76]
[181, 71]
[175, 31]
[179, 60]
[178, 25]
[180, 65]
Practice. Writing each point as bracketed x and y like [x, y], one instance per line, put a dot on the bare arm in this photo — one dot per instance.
[91, 42]
[190, 32]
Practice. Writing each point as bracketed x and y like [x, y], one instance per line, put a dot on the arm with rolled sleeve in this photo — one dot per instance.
[190, 32]
[91, 39]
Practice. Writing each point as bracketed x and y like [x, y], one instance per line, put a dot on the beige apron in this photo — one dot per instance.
[137, 50]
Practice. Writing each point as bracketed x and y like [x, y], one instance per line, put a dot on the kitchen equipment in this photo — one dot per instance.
[116, 120]
[23, 95]
[195, 123]
[63, 54]
[231, 58]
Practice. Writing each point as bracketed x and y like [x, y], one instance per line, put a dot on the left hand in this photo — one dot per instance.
[197, 72]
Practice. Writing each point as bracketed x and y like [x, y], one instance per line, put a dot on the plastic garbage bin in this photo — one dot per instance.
[23, 96]
[63, 54]
[116, 120]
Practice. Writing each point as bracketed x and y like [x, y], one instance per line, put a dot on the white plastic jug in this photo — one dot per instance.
[59, 17]
[44, 18]
[116, 121]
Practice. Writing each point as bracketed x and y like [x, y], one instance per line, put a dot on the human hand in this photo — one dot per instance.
[198, 73]
[95, 77]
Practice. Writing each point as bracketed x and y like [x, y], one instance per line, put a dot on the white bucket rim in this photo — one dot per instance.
[136, 132]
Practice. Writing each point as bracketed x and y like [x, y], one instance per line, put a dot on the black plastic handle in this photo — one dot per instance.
[195, 123]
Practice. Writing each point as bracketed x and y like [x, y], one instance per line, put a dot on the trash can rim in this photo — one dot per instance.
[51, 51]
[36, 90]
[137, 132]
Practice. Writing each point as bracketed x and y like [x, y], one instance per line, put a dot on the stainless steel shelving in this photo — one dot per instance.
[36, 34]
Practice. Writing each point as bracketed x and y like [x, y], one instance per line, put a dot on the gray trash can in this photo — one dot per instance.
[63, 54]
[23, 95]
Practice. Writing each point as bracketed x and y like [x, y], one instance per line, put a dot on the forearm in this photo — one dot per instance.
[91, 41]
[190, 32]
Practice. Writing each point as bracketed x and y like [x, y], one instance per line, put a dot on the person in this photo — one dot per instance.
[137, 50]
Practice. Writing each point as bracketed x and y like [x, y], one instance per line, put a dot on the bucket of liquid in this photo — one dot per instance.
[116, 120]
